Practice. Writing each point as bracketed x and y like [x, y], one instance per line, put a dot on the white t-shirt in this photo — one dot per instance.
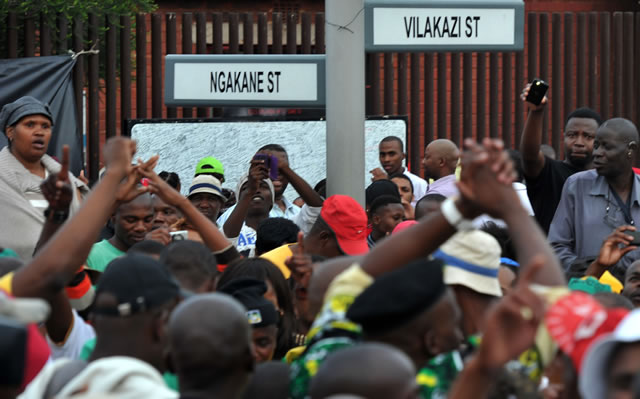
[521, 190]
[80, 333]
[245, 243]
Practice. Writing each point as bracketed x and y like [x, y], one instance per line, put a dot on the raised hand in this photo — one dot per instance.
[118, 152]
[300, 263]
[378, 174]
[530, 106]
[486, 177]
[511, 325]
[161, 188]
[283, 162]
[257, 173]
[57, 187]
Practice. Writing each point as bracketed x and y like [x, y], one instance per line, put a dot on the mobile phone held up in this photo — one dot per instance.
[181, 235]
[271, 162]
[537, 91]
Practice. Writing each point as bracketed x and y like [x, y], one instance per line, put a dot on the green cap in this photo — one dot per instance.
[590, 285]
[209, 165]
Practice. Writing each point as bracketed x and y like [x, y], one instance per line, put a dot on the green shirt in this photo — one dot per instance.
[101, 255]
[170, 379]
[437, 377]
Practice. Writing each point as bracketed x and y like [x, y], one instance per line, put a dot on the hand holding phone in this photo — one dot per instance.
[271, 162]
[181, 235]
[537, 91]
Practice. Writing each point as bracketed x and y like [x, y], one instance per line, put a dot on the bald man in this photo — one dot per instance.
[440, 161]
[371, 370]
[595, 202]
[322, 276]
[210, 347]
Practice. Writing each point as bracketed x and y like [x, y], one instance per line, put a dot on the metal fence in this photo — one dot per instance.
[589, 59]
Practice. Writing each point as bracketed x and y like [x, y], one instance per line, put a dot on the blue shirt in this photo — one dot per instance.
[587, 213]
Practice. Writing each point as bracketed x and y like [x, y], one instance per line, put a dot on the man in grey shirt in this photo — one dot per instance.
[595, 202]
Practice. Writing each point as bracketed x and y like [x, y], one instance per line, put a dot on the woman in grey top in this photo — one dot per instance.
[24, 165]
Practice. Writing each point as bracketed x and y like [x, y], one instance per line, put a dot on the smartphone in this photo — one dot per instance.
[181, 235]
[271, 162]
[636, 237]
[537, 91]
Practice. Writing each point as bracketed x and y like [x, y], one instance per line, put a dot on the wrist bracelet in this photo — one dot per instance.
[454, 217]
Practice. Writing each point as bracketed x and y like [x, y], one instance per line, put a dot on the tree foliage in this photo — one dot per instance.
[74, 8]
[50, 11]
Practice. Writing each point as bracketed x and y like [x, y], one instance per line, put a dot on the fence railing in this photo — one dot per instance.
[589, 59]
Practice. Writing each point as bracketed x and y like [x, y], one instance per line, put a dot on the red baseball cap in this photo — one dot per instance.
[577, 320]
[403, 225]
[348, 221]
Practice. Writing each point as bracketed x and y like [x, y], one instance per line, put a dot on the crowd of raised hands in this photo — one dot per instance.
[510, 326]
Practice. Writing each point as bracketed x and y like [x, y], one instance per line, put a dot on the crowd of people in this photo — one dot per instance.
[503, 273]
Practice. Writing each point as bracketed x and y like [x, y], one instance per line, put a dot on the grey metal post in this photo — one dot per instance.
[345, 67]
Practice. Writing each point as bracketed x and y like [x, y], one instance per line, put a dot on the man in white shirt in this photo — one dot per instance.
[257, 200]
[282, 207]
[391, 152]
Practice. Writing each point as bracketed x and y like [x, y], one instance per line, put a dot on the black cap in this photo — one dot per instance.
[250, 293]
[398, 296]
[379, 188]
[13, 347]
[138, 282]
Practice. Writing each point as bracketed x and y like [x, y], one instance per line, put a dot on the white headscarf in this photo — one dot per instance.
[245, 179]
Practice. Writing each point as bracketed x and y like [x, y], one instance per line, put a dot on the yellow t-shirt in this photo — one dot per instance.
[5, 282]
[278, 256]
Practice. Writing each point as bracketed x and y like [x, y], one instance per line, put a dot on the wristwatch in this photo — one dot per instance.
[56, 216]
[454, 217]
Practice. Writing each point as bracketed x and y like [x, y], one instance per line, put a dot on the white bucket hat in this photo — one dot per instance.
[593, 384]
[472, 259]
[206, 184]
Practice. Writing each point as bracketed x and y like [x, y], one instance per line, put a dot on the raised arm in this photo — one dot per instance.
[433, 230]
[257, 172]
[532, 158]
[58, 192]
[211, 235]
[479, 185]
[310, 197]
[57, 262]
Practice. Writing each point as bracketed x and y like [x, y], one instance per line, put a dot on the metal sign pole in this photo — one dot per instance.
[345, 67]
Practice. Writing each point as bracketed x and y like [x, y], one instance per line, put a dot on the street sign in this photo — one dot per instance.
[444, 25]
[245, 80]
